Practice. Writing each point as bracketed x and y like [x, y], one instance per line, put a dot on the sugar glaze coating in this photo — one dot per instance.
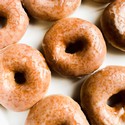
[71, 30]
[56, 110]
[113, 24]
[96, 92]
[51, 9]
[20, 58]
[16, 24]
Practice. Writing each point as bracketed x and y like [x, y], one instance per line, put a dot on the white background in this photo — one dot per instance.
[88, 10]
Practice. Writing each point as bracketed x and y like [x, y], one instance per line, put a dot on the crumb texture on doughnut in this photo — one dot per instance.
[74, 47]
[24, 77]
[106, 85]
[56, 110]
[51, 9]
[17, 22]
[113, 24]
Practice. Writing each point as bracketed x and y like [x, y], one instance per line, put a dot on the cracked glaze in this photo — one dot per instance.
[51, 9]
[82, 62]
[56, 110]
[22, 58]
[17, 22]
[113, 24]
[97, 90]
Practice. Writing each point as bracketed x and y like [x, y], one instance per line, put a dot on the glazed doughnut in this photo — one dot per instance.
[24, 77]
[102, 96]
[17, 22]
[56, 110]
[50, 9]
[113, 24]
[74, 47]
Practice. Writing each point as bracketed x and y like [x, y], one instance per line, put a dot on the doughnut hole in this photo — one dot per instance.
[75, 46]
[20, 77]
[3, 21]
[64, 124]
[117, 99]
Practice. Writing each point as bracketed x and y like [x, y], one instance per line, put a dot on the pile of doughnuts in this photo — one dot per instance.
[72, 47]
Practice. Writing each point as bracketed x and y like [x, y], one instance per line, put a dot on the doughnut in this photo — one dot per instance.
[102, 96]
[51, 10]
[74, 47]
[16, 24]
[56, 110]
[113, 24]
[24, 77]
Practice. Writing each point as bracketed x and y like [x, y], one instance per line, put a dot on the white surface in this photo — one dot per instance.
[88, 10]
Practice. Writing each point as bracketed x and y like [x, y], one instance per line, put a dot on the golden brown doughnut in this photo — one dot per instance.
[56, 110]
[17, 22]
[103, 96]
[113, 24]
[24, 77]
[51, 9]
[74, 47]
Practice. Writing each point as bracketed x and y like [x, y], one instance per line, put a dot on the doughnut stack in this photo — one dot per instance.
[72, 47]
